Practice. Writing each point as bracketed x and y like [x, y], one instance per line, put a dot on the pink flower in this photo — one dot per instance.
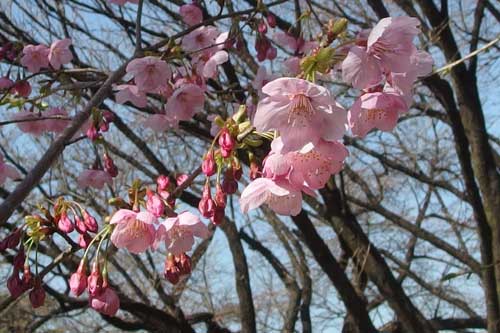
[149, 72]
[191, 14]
[307, 169]
[90, 222]
[389, 47]
[185, 102]
[376, 110]
[179, 232]
[7, 171]
[35, 57]
[134, 231]
[281, 197]
[94, 178]
[78, 280]
[59, 53]
[200, 38]
[154, 204]
[302, 111]
[132, 94]
[106, 303]
[210, 68]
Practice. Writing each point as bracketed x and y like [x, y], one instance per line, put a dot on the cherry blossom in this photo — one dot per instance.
[60, 53]
[302, 111]
[107, 302]
[131, 93]
[179, 232]
[134, 231]
[149, 72]
[375, 110]
[201, 38]
[94, 178]
[35, 57]
[278, 194]
[185, 102]
[191, 14]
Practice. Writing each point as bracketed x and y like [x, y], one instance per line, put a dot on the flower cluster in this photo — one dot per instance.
[384, 63]
[36, 57]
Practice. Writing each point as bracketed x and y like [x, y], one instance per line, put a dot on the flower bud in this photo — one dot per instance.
[220, 197]
[180, 179]
[271, 20]
[162, 182]
[19, 259]
[78, 280]
[64, 224]
[208, 166]
[172, 272]
[154, 204]
[106, 303]
[109, 166]
[206, 205]
[22, 88]
[13, 239]
[80, 225]
[89, 222]
[27, 278]
[184, 264]
[15, 284]
[37, 295]
[229, 185]
[271, 53]
[94, 280]
[218, 216]
[84, 240]
[262, 27]
[92, 133]
[226, 141]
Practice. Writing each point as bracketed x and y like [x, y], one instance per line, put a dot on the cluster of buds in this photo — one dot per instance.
[102, 297]
[262, 44]
[99, 124]
[83, 222]
[176, 267]
[21, 279]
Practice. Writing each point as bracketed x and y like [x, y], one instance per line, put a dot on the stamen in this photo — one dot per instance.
[301, 109]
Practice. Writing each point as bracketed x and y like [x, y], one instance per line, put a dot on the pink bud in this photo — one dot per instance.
[22, 88]
[181, 179]
[108, 116]
[220, 197]
[27, 278]
[162, 182]
[208, 166]
[183, 262]
[19, 260]
[90, 222]
[94, 280]
[106, 303]
[37, 295]
[64, 224]
[226, 141]
[15, 284]
[229, 185]
[109, 166]
[84, 240]
[262, 27]
[154, 204]
[104, 126]
[80, 225]
[271, 53]
[271, 20]
[92, 133]
[13, 239]
[206, 205]
[172, 272]
[78, 280]
[218, 216]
